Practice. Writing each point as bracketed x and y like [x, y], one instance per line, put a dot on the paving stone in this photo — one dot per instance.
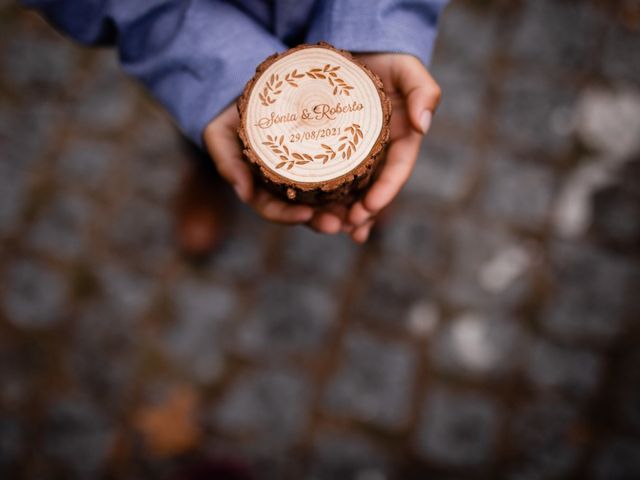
[307, 253]
[451, 46]
[575, 372]
[160, 158]
[616, 217]
[423, 318]
[416, 237]
[144, 230]
[618, 59]
[490, 268]
[61, 226]
[240, 257]
[591, 290]
[374, 382]
[443, 171]
[624, 391]
[12, 197]
[458, 429]
[126, 290]
[618, 460]
[23, 148]
[543, 39]
[203, 312]
[289, 316]
[518, 192]
[535, 112]
[348, 457]
[85, 163]
[541, 436]
[461, 104]
[478, 345]
[34, 294]
[77, 435]
[388, 293]
[269, 406]
[103, 354]
[607, 120]
[107, 103]
[34, 61]
[12, 442]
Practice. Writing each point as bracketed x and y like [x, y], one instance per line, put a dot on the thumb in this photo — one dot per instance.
[224, 148]
[420, 90]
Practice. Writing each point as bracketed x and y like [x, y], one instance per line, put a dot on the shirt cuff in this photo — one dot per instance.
[213, 51]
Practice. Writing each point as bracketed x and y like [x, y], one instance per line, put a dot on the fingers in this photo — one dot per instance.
[224, 148]
[359, 214]
[274, 210]
[421, 91]
[324, 222]
[401, 158]
[361, 233]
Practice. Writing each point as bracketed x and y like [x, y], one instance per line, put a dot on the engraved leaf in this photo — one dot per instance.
[280, 165]
[325, 146]
[341, 147]
[342, 138]
[326, 67]
[325, 161]
[321, 75]
[286, 149]
[333, 74]
[335, 90]
[284, 157]
[271, 78]
[307, 156]
[336, 68]
[315, 70]
[352, 145]
[277, 92]
[270, 138]
[279, 84]
[277, 150]
[290, 166]
[311, 75]
[333, 155]
[281, 139]
[348, 152]
[302, 162]
[293, 84]
[346, 92]
[297, 155]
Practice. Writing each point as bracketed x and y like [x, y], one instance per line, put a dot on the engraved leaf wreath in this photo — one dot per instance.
[346, 148]
[273, 86]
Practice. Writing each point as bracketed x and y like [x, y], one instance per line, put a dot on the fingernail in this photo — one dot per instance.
[425, 121]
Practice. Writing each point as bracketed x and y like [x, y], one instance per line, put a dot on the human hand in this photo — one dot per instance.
[222, 143]
[414, 95]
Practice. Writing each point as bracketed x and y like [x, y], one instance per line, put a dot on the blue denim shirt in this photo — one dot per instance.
[195, 56]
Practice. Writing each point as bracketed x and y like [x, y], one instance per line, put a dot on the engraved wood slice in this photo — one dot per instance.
[314, 123]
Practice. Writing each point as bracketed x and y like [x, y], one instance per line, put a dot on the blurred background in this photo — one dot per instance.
[490, 329]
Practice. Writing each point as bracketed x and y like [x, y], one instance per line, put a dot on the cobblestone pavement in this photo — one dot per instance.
[489, 330]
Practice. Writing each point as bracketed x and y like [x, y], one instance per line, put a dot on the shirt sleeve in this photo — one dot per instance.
[402, 26]
[194, 56]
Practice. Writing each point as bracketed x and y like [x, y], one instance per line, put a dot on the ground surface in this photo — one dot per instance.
[490, 330]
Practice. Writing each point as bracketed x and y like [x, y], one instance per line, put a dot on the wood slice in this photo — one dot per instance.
[314, 122]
